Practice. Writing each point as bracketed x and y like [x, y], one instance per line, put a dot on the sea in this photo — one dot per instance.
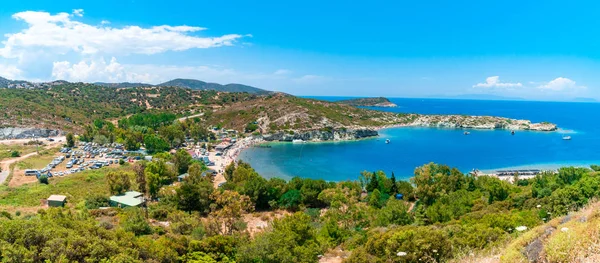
[410, 147]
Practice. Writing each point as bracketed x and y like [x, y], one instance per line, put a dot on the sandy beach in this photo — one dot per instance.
[230, 155]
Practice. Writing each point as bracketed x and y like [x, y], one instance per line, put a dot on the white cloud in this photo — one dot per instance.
[561, 84]
[10, 72]
[60, 34]
[99, 70]
[78, 12]
[104, 22]
[494, 82]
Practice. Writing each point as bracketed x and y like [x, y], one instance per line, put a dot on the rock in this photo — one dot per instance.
[25, 133]
[322, 135]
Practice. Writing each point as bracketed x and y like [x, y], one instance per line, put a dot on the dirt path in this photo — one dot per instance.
[190, 117]
[5, 165]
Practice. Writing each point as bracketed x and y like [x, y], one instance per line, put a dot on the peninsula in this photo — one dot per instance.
[369, 102]
[70, 107]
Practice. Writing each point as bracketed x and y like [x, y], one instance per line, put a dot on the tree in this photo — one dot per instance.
[133, 221]
[373, 182]
[119, 182]
[155, 144]
[70, 140]
[229, 169]
[292, 239]
[153, 183]
[43, 179]
[230, 207]
[194, 194]
[394, 189]
[395, 212]
[140, 176]
[290, 200]
[375, 199]
[182, 160]
[433, 180]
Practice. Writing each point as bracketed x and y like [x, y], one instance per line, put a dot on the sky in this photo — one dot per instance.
[537, 50]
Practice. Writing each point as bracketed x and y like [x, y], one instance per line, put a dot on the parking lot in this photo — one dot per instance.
[86, 155]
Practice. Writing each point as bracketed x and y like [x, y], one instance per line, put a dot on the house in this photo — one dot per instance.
[57, 200]
[128, 199]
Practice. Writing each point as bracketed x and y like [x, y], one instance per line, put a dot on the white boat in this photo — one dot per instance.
[297, 141]
[387, 140]
[467, 133]
[566, 138]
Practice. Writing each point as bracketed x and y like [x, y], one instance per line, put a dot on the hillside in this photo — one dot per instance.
[122, 84]
[369, 102]
[285, 112]
[70, 106]
[201, 85]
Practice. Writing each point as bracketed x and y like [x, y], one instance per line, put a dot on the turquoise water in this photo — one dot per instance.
[412, 147]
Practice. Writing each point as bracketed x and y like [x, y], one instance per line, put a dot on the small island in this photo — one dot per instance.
[369, 102]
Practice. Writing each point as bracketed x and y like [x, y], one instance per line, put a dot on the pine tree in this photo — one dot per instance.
[394, 188]
[373, 183]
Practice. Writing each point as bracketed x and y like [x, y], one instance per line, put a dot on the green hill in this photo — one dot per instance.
[201, 85]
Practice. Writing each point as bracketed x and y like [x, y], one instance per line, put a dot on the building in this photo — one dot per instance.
[57, 200]
[129, 199]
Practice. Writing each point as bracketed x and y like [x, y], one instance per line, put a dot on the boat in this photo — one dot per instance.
[467, 133]
[512, 132]
[566, 138]
[297, 141]
[387, 141]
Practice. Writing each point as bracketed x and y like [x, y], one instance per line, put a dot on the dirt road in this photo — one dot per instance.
[5, 165]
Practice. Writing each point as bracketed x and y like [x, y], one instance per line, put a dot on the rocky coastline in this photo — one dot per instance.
[27, 133]
[411, 120]
[472, 122]
[321, 135]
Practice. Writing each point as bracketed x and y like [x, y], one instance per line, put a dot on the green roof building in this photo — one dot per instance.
[129, 199]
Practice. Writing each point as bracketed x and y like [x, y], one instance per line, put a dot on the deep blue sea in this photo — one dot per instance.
[412, 147]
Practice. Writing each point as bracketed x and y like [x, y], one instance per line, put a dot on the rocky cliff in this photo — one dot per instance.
[474, 122]
[25, 133]
[322, 135]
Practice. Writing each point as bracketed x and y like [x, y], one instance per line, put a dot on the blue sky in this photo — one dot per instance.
[541, 50]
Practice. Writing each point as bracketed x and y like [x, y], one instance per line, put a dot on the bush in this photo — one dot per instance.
[96, 201]
[15, 154]
[43, 179]
[121, 162]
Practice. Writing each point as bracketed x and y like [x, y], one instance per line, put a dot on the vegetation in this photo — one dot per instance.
[455, 215]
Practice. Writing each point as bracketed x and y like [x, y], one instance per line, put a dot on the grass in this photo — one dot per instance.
[6, 149]
[38, 161]
[75, 186]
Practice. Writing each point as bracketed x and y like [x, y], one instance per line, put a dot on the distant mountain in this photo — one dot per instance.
[183, 83]
[201, 85]
[122, 84]
[4, 82]
[478, 97]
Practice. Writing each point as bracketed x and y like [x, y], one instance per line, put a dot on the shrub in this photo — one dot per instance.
[43, 179]
[15, 153]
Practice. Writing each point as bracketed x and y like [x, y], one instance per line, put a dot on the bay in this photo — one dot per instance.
[414, 146]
